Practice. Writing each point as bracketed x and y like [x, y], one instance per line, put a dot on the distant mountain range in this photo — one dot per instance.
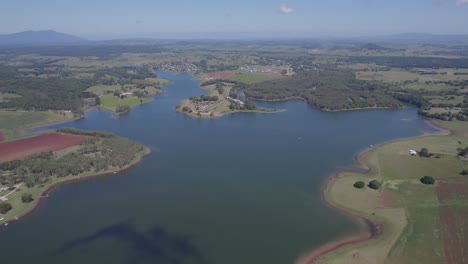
[37, 38]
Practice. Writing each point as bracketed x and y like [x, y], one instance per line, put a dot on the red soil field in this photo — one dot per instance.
[23, 148]
[218, 75]
[1, 136]
[453, 222]
[387, 200]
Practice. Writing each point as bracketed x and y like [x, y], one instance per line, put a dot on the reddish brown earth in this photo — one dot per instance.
[218, 75]
[387, 200]
[453, 222]
[1, 136]
[315, 255]
[23, 148]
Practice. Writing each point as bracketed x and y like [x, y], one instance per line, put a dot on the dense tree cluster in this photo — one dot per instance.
[330, 89]
[122, 109]
[45, 93]
[207, 98]
[248, 105]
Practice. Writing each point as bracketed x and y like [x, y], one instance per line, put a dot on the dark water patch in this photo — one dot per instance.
[157, 243]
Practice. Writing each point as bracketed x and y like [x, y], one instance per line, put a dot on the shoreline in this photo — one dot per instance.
[44, 193]
[368, 234]
[266, 111]
[320, 109]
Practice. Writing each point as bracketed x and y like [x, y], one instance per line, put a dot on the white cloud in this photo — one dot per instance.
[285, 9]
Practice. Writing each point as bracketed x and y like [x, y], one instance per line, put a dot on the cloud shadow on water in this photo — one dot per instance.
[157, 244]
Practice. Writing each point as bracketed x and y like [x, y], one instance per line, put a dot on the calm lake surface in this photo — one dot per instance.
[244, 188]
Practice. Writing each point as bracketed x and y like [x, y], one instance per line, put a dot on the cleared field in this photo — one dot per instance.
[100, 89]
[218, 75]
[453, 199]
[423, 222]
[10, 121]
[23, 148]
[110, 101]
[458, 127]
[453, 100]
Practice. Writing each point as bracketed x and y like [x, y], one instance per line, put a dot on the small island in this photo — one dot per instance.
[30, 167]
[221, 100]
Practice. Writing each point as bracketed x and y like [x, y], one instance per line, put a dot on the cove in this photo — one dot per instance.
[244, 188]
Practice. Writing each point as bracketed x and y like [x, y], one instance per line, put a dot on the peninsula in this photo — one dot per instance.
[31, 167]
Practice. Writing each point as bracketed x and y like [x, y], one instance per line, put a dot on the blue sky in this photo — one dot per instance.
[119, 18]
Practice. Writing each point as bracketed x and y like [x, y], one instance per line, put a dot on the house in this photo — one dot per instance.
[412, 152]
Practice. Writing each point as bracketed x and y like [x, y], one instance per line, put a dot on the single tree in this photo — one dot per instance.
[462, 151]
[27, 198]
[427, 180]
[374, 184]
[424, 152]
[5, 207]
[359, 184]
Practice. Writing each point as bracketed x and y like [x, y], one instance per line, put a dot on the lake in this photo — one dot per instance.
[244, 188]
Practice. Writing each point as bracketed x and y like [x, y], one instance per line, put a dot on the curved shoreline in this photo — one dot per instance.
[369, 233]
[47, 189]
[297, 98]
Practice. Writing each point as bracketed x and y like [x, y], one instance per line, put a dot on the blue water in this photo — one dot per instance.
[244, 188]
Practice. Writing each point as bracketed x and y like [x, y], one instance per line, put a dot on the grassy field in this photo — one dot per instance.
[100, 89]
[458, 127]
[109, 101]
[414, 216]
[11, 121]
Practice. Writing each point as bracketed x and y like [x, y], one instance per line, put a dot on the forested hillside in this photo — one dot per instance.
[328, 89]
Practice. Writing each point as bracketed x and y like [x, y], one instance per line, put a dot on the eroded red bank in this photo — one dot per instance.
[23, 148]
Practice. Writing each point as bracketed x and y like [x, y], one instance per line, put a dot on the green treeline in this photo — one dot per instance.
[101, 152]
[330, 89]
[89, 133]
[45, 93]
[64, 92]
